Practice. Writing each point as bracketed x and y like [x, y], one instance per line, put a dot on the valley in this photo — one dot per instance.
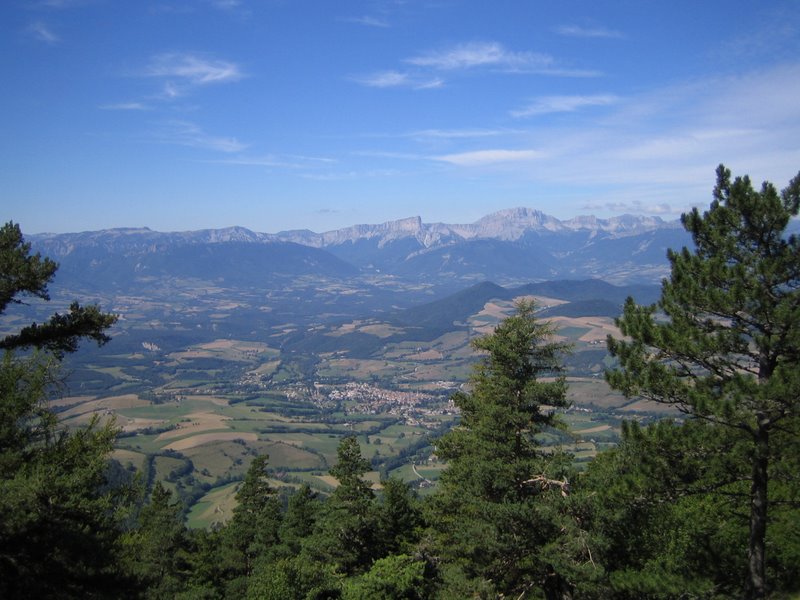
[230, 348]
[193, 415]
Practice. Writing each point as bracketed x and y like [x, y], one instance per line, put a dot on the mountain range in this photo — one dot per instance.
[513, 246]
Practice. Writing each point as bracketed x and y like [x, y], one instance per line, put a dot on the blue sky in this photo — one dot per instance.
[289, 114]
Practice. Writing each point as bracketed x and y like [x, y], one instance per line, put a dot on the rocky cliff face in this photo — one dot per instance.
[507, 225]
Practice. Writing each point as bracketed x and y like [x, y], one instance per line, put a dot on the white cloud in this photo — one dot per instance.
[556, 104]
[125, 106]
[182, 70]
[653, 152]
[490, 55]
[635, 207]
[450, 134]
[64, 3]
[588, 32]
[268, 161]
[392, 79]
[390, 155]
[194, 69]
[185, 133]
[676, 145]
[368, 21]
[429, 84]
[226, 4]
[481, 54]
[283, 162]
[384, 79]
[353, 175]
[479, 158]
[495, 56]
[43, 33]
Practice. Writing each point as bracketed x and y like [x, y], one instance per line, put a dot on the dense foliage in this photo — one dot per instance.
[60, 520]
[723, 344]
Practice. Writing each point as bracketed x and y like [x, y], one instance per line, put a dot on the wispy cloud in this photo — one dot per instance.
[556, 104]
[226, 4]
[773, 35]
[677, 144]
[490, 157]
[588, 32]
[193, 69]
[63, 3]
[384, 79]
[391, 155]
[431, 66]
[185, 133]
[480, 54]
[653, 152]
[353, 175]
[290, 161]
[634, 206]
[495, 56]
[125, 106]
[393, 79]
[367, 21]
[43, 33]
[455, 134]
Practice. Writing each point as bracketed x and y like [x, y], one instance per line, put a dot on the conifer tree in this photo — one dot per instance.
[298, 521]
[23, 274]
[723, 342]
[157, 549]
[253, 530]
[652, 529]
[399, 517]
[59, 528]
[487, 517]
[347, 531]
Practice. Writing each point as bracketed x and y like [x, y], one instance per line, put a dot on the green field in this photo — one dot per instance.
[204, 410]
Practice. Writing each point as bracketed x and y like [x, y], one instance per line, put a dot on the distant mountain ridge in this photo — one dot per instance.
[507, 225]
[512, 246]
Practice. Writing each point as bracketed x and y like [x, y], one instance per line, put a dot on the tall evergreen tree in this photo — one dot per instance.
[486, 514]
[723, 342]
[298, 520]
[347, 531]
[253, 530]
[399, 517]
[58, 533]
[157, 548]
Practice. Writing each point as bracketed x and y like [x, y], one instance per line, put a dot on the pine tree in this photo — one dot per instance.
[723, 342]
[487, 515]
[298, 521]
[157, 548]
[59, 529]
[654, 532]
[399, 517]
[347, 531]
[24, 274]
[253, 530]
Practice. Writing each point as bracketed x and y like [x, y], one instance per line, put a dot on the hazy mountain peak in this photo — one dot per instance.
[229, 234]
[512, 223]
